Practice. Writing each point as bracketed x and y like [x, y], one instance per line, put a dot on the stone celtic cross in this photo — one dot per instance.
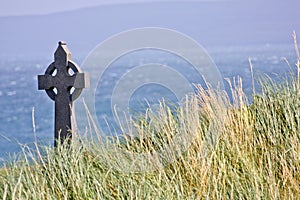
[63, 83]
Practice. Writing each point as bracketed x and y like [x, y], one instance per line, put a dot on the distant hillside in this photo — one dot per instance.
[210, 23]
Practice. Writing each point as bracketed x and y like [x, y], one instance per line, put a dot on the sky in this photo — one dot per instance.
[37, 7]
[222, 22]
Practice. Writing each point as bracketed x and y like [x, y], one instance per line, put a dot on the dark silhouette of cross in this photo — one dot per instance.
[63, 83]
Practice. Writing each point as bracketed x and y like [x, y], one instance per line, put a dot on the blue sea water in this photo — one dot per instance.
[21, 103]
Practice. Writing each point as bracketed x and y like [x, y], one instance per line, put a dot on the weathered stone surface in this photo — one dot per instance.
[63, 88]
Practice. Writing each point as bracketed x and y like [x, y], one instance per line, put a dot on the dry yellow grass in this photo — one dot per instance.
[211, 147]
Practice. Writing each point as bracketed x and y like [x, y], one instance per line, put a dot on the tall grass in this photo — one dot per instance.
[211, 147]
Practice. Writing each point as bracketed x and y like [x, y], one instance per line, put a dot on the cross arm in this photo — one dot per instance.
[45, 82]
[81, 81]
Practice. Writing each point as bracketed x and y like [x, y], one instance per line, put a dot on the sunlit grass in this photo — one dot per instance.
[211, 147]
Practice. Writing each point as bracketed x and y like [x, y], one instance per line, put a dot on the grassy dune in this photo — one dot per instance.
[209, 148]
